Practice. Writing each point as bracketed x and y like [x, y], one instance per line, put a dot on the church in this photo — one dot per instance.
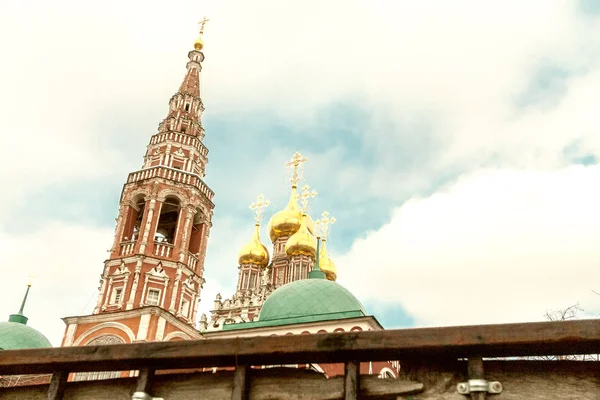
[151, 283]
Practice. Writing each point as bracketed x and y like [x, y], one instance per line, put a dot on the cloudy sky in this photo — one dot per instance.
[457, 143]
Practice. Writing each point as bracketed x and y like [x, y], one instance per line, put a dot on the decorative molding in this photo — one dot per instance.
[158, 272]
[105, 339]
[122, 270]
[115, 325]
[176, 334]
[136, 312]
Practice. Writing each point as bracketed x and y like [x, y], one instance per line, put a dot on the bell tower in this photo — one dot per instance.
[150, 285]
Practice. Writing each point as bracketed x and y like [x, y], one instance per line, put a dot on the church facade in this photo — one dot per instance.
[151, 283]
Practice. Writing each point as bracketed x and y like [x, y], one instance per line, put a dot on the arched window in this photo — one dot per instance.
[133, 219]
[167, 222]
[198, 230]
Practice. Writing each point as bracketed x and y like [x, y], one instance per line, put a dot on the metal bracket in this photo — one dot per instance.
[479, 385]
[144, 396]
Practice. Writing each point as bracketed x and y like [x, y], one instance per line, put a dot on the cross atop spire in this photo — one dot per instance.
[201, 23]
[323, 224]
[305, 197]
[258, 208]
[295, 163]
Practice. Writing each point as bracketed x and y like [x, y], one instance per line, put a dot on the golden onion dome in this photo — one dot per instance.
[199, 44]
[254, 252]
[325, 263]
[287, 221]
[301, 242]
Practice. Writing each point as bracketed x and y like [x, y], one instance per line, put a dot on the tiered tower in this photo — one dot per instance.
[292, 232]
[150, 286]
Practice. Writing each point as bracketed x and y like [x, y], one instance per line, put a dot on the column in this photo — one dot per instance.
[183, 246]
[107, 295]
[175, 288]
[134, 285]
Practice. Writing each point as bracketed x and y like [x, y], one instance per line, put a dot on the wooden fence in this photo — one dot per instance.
[436, 363]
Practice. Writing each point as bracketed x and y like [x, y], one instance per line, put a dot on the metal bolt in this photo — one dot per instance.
[497, 387]
[462, 388]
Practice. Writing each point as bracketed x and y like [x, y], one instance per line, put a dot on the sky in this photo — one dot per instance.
[457, 144]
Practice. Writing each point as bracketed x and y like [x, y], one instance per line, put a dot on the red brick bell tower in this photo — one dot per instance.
[150, 286]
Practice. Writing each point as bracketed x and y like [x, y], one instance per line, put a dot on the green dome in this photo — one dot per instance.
[16, 335]
[311, 298]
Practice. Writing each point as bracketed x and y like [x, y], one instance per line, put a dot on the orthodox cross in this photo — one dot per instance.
[323, 225]
[305, 197]
[295, 162]
[201, 23]
[258, 207]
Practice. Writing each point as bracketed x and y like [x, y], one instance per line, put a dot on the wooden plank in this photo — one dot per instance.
[563, 337]
[267, 384]
[240, 383]
[58, 383]
[351, 380]
[145, 381]
[522, 380]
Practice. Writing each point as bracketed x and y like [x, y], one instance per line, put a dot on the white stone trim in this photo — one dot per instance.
[116, 325]
[160, 329]
[70, 335]
[175, 334]
[142, 333]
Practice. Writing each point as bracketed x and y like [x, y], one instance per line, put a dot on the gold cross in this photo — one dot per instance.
[295, 162]
[323, 224]
[258, 207]
[204, 21]
[305, 197]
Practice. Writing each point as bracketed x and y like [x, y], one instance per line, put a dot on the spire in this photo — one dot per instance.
[191, 82]
[19, 317]
[316, 273]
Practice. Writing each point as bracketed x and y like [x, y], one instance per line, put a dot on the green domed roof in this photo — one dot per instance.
[310, 297]
[15, 336]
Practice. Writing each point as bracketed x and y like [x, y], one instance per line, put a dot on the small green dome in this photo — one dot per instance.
[16, 336]
[311, 297]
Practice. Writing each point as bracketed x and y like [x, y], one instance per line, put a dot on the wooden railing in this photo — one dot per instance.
[434, 361]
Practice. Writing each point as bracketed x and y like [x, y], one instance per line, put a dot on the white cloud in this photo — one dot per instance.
[498, 246]
[71, 71]
[66, 262]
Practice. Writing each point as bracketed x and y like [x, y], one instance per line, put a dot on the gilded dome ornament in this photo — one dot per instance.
[302, 242]
[254, 252]
[198, 43]
[287, 221]
[325, 263]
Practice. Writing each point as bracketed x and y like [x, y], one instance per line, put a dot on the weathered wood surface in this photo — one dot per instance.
[267, 384]
[57, 386]
[351, 380]
[521, 380]
[564, 337]
[240, 383]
